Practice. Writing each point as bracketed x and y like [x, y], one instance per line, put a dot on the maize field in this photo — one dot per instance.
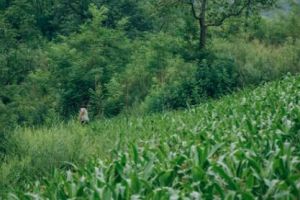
[243, 146]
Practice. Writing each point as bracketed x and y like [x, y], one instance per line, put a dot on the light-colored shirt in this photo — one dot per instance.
[84, 115]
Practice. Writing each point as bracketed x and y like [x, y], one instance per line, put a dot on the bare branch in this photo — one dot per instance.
[228, 15]
[191, 2]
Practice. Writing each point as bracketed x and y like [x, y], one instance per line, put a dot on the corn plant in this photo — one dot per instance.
[244, 146]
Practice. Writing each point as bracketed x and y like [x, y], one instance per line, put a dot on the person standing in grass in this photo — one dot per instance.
[83, 116]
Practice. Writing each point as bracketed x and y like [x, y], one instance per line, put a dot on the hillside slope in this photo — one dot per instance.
[243, 146]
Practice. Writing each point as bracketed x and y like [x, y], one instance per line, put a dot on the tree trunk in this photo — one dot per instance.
[202, 36]
[203, 27]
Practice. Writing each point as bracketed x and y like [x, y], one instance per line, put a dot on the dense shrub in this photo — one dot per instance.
[257, 62]
[216, 76]
[188, 84]
[178, 90]
[83, 64]
[151, 65]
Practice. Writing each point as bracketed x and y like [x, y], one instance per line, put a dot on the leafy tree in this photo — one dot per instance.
[210, 13]
[136, 15]
[84, 63]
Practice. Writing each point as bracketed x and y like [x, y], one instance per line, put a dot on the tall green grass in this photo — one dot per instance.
[259, 62]
[244, 146]
[33, 153]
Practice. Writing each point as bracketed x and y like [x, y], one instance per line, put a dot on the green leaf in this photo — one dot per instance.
[229, 180]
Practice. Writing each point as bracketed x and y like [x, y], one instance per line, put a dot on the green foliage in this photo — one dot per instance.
[217, 76]
[131, 57]
[280, 28]
[33, 153]
[86, 61]
[177, 89]
[152, 65]
[190, 85]
[258, 62]
[137, 16]
[124, 56]
[244, 146]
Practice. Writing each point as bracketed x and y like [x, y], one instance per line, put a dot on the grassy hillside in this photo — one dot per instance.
[242, 146]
